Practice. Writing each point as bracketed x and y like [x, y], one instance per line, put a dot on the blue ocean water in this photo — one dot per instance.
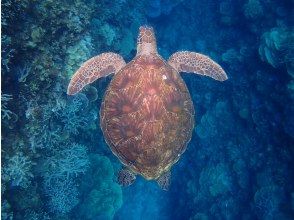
[239, 162]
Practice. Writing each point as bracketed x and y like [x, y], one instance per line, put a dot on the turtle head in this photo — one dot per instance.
[146, 43]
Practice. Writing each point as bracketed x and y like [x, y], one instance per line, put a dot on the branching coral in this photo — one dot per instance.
[48, 40]
[48, 122]
[65, 163]
[61, 162]
[41, 131]
[33, 215]
[73, 116]
[18, 170]
[63, 195]
[5, 112]
[22, 72]
[7, 52]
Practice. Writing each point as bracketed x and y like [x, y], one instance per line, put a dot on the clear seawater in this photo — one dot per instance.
[239, 163]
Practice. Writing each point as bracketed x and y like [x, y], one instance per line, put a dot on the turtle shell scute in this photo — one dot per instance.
[147, 116]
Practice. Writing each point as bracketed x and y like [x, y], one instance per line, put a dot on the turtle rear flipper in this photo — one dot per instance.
[95, 68]
[125, 177]
[186, 61]
[164, 180]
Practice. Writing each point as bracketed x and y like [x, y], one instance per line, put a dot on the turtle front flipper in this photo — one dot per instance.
[95, 68]
[186, 61]
[125, 177]
[164, 180]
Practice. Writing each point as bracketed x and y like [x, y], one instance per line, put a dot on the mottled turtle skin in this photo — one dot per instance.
[147, 116]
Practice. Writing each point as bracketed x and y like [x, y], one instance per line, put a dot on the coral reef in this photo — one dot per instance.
[253, 9]
[228, 13]
[5, 112]
[217, 180]
[55, 162]
[18, 170]
[158, 7]
[6, 212]
[102, 195]
[77, 54]
[212, 120]
[267, 201]
[66, 163]
[63, 195]
[277, 48]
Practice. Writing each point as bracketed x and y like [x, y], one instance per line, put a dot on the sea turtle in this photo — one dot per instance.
[147, 115]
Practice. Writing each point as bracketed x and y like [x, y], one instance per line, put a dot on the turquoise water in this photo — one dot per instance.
[239, 162]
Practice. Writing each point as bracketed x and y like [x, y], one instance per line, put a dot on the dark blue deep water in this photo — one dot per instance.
[239, 162]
